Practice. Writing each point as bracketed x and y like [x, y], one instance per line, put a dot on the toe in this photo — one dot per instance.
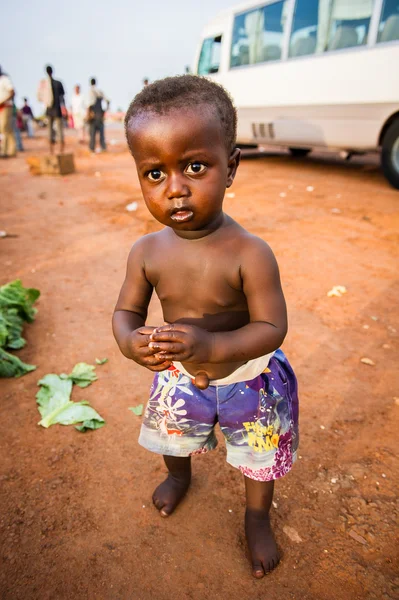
[166, 511]
[157, 503]
[257, 570]
[270, 566]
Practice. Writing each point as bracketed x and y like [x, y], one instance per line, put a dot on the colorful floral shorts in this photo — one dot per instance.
[258, 418]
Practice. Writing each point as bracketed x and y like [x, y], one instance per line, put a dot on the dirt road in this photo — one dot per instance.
[76, 518]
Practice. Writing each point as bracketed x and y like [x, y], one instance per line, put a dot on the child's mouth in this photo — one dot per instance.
[182, 215]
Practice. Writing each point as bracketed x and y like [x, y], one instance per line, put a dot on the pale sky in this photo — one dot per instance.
[119, 42]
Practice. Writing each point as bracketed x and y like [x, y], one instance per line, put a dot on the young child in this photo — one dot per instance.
[217, 359]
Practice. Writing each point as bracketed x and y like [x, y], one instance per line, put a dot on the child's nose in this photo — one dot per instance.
[177, 187]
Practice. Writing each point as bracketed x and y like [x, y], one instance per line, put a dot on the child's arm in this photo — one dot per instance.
[130, 314]
[264, 334]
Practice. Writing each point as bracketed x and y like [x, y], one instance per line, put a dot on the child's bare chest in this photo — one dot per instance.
[197, 283]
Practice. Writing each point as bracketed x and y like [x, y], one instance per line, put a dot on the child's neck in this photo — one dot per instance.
[198, 234]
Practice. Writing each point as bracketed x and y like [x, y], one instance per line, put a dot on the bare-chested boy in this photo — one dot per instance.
[220, 292]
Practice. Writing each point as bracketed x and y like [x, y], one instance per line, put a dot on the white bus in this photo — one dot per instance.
[311, 74]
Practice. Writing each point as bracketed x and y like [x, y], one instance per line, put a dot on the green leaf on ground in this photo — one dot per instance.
[55, 405]
[14, 295]
[137, 410]
[16, 306]
[83, 374]
[53, 393]
[92, 424]
[12, 366]
[101, 361]
[11, 325]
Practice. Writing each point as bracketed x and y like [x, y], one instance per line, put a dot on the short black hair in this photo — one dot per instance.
[186, 91]
[93, 81]
[49, 70]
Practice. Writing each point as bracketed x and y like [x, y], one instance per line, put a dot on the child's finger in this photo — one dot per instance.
[143, 341]
[173, 327]
[146, 351]
[146, 330]
[168, 336]
[170, 347]
[175, 357]
[155, 361]
[170, 357]
[165, 365]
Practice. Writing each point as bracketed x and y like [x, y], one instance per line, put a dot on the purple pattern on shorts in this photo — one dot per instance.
[282, 462]
[258, 418]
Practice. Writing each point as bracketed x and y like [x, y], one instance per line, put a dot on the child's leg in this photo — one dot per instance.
[260, 538]
[170, 493]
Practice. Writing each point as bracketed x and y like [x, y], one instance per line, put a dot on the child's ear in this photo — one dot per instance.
[232, 166]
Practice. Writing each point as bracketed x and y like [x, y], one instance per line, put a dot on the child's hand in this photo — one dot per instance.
[142, 354]
[184, 343]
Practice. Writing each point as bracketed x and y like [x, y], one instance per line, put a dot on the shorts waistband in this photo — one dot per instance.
[246, 372]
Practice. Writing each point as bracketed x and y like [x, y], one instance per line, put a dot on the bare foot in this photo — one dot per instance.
[261, 543]
[170, 493]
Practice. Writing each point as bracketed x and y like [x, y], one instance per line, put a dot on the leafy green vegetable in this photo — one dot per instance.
[12, 366]
[55, 405]
[54, 392]
[83, 374]
[14, 295]
[16, 306]
[137, 410]
[101, 361]
[11, 325]
[92, 424]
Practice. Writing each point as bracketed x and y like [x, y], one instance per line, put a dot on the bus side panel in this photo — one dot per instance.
[344, 126]
[340, 99]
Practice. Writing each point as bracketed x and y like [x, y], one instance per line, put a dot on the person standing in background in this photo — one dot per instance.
[51, 93]
[79, 111]
[95, 115]
[28, 118]
[17, 126]
[8, 146]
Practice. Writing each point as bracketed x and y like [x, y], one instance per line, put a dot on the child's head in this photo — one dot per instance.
[186, 91]
[181, 132]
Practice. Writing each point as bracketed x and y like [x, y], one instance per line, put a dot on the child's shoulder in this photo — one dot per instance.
[247, 243]
[148, 242]
[145, 248]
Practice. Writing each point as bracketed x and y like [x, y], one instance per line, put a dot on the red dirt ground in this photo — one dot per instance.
[76, 515]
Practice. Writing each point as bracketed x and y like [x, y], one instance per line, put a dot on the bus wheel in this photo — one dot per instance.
[298, 152]
[390, 154]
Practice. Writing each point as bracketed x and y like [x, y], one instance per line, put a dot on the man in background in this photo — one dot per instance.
[28, 118]
[79, 113]
[95, 115]
[51, 93]
[8, 147]
[17, 126]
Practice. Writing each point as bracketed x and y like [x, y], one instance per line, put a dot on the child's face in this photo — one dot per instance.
[183, 166]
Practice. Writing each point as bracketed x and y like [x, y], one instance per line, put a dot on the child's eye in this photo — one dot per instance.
[155, 175]
[195, 168]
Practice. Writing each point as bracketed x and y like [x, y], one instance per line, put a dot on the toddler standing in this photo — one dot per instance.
[218, 358]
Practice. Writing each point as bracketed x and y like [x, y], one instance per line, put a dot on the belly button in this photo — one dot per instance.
[201, 380]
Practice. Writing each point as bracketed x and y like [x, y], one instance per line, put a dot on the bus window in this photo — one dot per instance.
[388, 30]
[209, 60]
[349, 23]
[258, 35]
[322, 25]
